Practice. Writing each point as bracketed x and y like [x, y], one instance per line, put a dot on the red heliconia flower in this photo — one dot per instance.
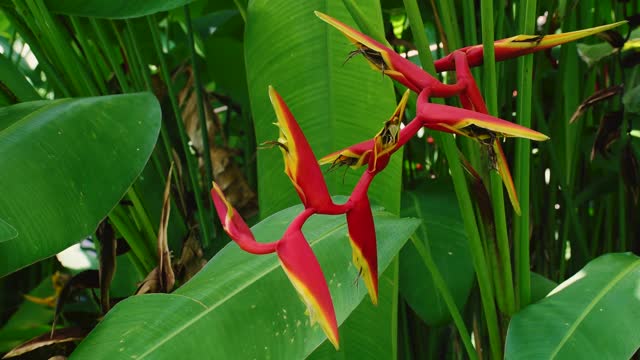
[295, 255]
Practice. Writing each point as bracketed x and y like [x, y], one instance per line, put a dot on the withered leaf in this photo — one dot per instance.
[191, 260]
[612, 37]
[38, 344]
[226, 172]
[608, 133]
[596, 97]
[166, 276]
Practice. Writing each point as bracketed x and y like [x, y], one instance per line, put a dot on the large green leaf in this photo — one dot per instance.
[114, 9]
[593, 315]
[242, 306]
[442, 230]
[337, 105]
[64, 165]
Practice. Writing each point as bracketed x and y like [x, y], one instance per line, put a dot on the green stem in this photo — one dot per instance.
[126, 41]
[522, 165]
[122, 222]
[62, 49]
[89, 55]
[25, 30]
[200, 97]
[145, 223]
[502, 239]
[192, 166]
[462, 192]
[425, 253]
[111, 57]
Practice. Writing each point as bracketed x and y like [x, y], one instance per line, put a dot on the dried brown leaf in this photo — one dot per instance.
[166, 276]
[61, 337]
[608, 133]
[191, 260]
[226, 172]
[596, 97]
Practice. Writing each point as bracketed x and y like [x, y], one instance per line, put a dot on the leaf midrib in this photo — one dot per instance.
[591, 305]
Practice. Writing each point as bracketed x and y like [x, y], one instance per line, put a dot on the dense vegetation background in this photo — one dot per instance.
[116, 116]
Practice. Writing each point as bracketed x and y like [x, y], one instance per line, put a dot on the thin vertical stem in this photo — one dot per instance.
[497, 195]
[425, 253]
[111, 57]
[527, 18]
[192, 166]
[462, 192]
[200, 97]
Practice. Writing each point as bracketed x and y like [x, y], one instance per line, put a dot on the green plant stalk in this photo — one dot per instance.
[462, 192]
[200, 97]
[36, 47]
[363, 23]
[394, 306]
[121, 221]
[191, 165]
[126, 41]
[62, 49]
[454, 41]
[497, 195]
[502, 241]
[144, 70]
[597, 230]
[608, 237]
[406, 342]
[86, 49]
[425, 253]
[12, 42]
[622, 217]
[571, 217]
[527, 18]
[111, 58]
[449, 24]
[145, 223]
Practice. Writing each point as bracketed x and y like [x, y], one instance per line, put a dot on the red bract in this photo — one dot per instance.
[520, 45]
[299, 162]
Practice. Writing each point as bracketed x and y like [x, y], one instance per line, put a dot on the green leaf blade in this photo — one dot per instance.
[594, 314]
[242, 305]
[114, 9]
[66, 163]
